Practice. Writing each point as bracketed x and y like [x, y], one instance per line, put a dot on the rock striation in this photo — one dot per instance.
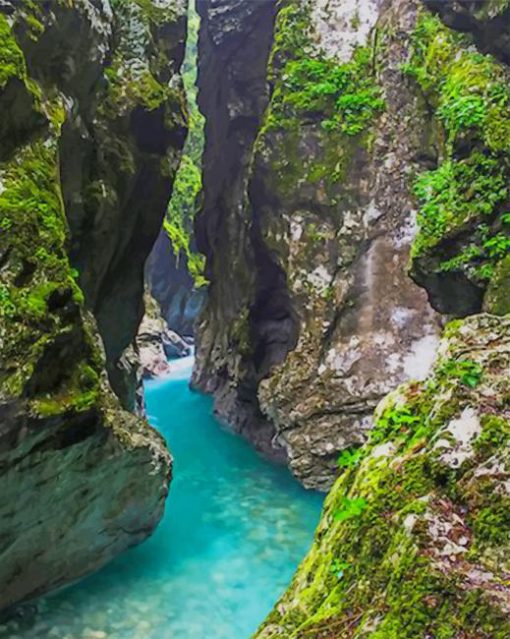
[92, 122]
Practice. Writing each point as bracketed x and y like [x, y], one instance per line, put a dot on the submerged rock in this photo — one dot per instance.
[92, 125]
[415, 536]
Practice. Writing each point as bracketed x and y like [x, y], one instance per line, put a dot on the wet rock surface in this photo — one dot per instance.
[173, 287]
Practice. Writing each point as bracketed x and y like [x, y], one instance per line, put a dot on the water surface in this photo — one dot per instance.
[235, 529]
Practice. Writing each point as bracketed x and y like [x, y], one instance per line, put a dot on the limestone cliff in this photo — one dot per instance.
[91, 128]
[414, 539]
[234, 46]
[311, 317]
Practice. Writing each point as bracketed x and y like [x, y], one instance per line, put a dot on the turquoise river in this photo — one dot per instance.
[235, 529]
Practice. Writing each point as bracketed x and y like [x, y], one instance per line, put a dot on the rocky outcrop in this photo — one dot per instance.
[461, 252]
[92, 124]
[234, 46]
[157, 344]
[311, 317]
[414, 539]
[172, 285]
[149, 341]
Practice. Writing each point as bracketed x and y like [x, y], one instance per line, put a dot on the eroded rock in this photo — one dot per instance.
[311, 317]
[91, 96]
[410, 544]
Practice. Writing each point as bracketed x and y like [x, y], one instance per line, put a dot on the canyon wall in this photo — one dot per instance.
[92, 123]
[172, 285]
[308, 218]
[415, 535]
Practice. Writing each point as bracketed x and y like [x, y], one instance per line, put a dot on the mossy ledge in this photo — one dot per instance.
[415, 536]
[463, 218]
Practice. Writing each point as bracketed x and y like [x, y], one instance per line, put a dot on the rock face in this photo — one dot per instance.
[149, 341]
[156, 343]
[173, 287]
[414, 540]
[234, 46]
[415, 534]
[91, 127]
[461, 254]
[311, 317]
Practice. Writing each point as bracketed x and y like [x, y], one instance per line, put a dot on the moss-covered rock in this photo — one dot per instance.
[83, 191]
[414, 540]
[463, 216]
[312, 317]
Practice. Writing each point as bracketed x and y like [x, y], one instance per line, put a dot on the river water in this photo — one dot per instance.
[235, 529]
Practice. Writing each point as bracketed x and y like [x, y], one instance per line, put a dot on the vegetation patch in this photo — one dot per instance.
[184, 203]
[467, 195]
[379, 566]
[315, 97]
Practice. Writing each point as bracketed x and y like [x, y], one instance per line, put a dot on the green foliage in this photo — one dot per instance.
[34, 226]
[470, 95]
[468, 372]
[188, 181]
[12, 61]
[383, 572]
[349, 458]
[343, 97]
[495, 434]
[339, 567]
[315, 97]
[350, 508]
[456, 192]
[395, 421]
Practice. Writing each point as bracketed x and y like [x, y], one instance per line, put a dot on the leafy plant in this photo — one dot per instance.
[394, 422]
[349, 458]
[344, 97]
[350, 508]
[338, 567]
[469, 372]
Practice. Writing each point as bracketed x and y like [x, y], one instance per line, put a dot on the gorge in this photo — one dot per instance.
[335, 231]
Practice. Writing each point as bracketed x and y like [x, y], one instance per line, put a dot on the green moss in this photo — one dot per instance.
[12, 61]
[181, 212]
[378, 570]
[343, 97]
[495, 434]
[184, 204]
[315, 96]
[37, 282]
[127, 88]
[157, 13]
[79, 392]
[498, 294]
[470, 96]
[456, 193]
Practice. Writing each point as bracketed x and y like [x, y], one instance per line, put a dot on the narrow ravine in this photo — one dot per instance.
[233, 534]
